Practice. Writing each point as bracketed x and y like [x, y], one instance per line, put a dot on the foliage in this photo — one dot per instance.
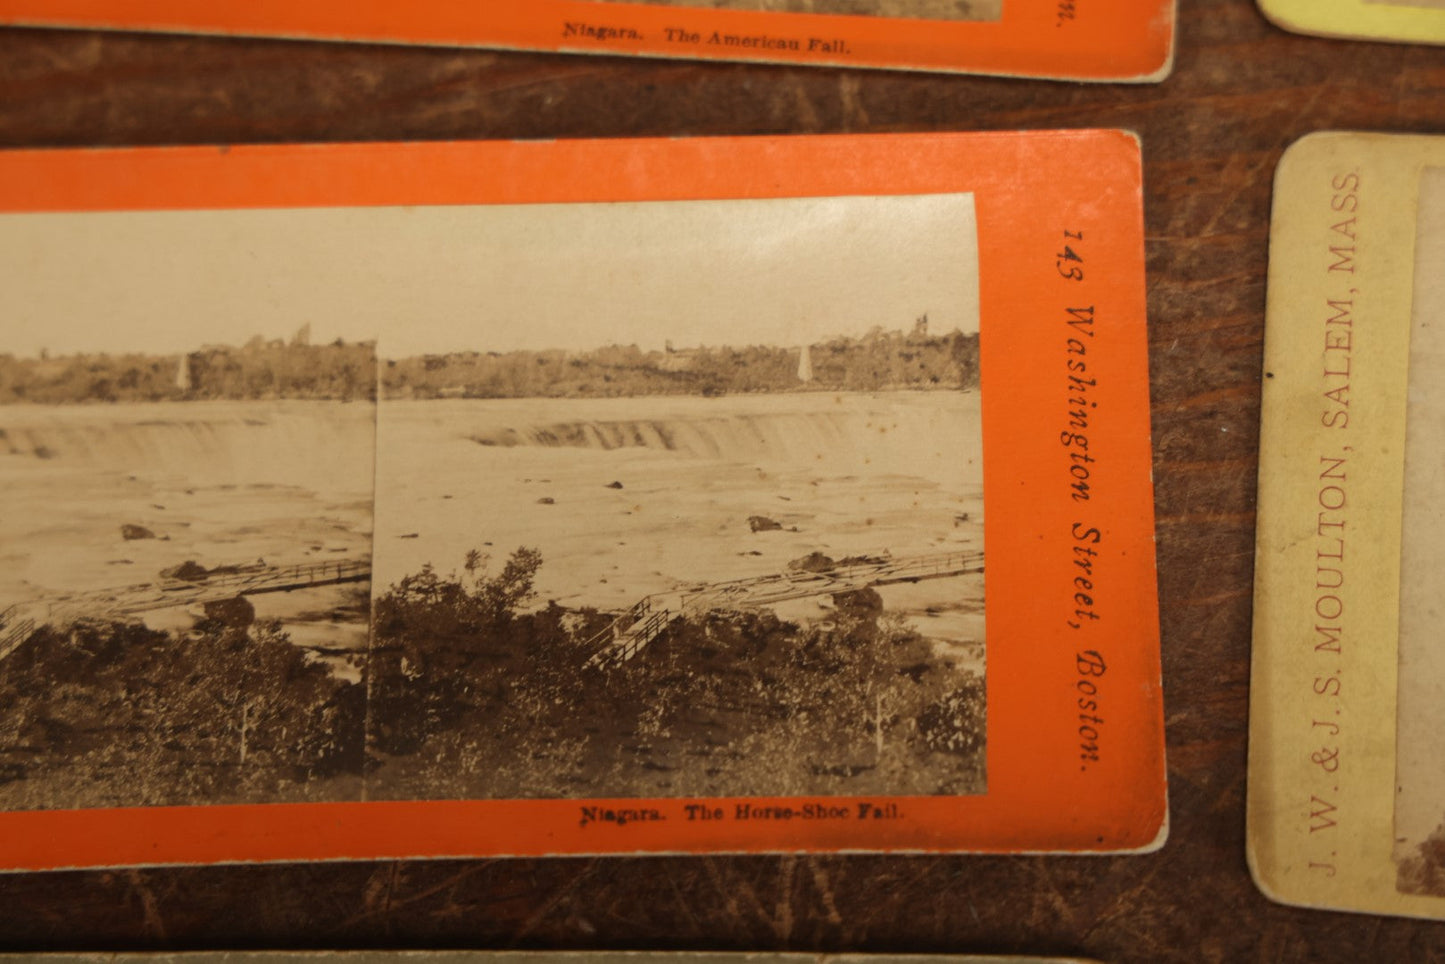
[954, 722]
[474, 697]
[469, 692]
[440, 646]
[116, 714]
[1423, 872]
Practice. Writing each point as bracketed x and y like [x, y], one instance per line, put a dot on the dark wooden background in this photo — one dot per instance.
[1240, 92]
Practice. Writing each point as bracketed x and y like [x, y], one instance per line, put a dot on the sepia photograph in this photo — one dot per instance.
[186, 541]
[185, 546]
[905, 9]
[686, 502]
[1420, 712]
[490, 502]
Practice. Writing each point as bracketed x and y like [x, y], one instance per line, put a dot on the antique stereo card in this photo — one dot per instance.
[1347, 794]
[1099, 40]
[741, 495]
[1406, 21]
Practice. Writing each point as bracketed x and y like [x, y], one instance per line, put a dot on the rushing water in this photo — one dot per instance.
[218, 483]
[625, 497]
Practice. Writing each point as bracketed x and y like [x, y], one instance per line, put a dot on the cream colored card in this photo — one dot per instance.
[1407, 21]
[1347, 721]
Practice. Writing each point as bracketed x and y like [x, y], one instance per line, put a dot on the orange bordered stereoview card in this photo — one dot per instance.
[722, 495]
[1098, 40]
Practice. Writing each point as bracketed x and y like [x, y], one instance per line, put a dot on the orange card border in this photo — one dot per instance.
[1101, 40]
[1028, 188]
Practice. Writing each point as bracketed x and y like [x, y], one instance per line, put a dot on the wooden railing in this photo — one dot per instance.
[634, 629]
[20, 620]
[15, 628]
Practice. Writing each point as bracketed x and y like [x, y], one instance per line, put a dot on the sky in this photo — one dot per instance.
[424, 280]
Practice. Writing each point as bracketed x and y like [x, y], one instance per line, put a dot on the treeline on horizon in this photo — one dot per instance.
[258, 370]
[348, 372]
[874, 362]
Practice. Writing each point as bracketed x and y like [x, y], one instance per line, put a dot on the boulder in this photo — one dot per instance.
[188, 571]
[812, 562]
[863, 603]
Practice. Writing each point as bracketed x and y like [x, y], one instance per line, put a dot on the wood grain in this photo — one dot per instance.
[1212, 133]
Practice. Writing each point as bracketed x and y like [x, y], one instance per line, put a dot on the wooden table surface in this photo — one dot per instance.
[1241, 91]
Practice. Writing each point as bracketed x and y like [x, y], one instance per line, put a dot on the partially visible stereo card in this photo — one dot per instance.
[1347, 791]
[1101, 40]
[1406, 21]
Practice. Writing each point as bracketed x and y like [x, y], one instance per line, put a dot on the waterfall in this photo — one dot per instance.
[275, 442]
[918, 433]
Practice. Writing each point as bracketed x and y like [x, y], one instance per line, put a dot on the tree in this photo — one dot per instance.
[437, 641]
[1424, 871]
[116, 714]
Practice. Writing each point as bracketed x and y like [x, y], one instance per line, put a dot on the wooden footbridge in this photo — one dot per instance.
[226, 582]
[624, 637]
[634, 629]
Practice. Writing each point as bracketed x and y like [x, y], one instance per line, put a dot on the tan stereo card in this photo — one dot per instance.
[1347, 791]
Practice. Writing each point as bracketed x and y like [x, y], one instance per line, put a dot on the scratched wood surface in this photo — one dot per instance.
[1212, 133]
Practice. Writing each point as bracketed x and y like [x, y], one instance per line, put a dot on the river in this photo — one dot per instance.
[217, 483]
[623, 497]
[630, 496]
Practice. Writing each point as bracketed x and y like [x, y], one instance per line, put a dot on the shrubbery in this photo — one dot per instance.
[466, 693]
[472, 698]
[105, 714]
[1424, 871]
[954, 723]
